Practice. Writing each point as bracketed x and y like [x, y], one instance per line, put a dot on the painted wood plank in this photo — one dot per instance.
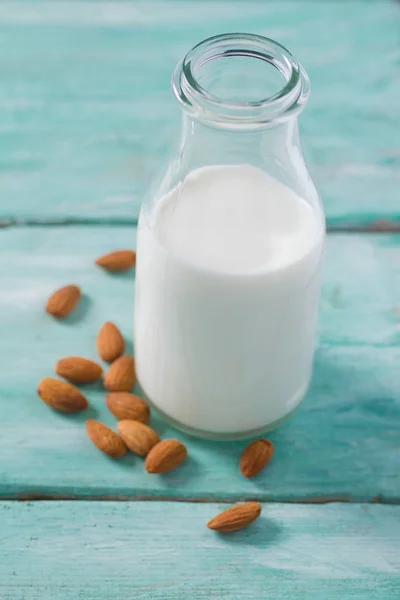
[152, 550]
[86, 114]
[343, 442]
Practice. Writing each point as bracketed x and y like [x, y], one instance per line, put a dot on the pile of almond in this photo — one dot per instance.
[133, 432]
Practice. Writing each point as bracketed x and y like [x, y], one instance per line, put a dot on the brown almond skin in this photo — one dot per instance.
[255, 457]
[105, 439]
[120, 376]
[124, 405]
[165, 456]
[139, 438]
[63, 301]
[61, 395]
[236, 517]
[78, 370]
[119, 260]
[110, 343]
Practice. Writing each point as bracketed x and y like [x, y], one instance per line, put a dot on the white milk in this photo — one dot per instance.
[227, 288]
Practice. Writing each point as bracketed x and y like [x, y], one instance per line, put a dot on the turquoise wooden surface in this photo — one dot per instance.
[343, 443]
[85, 104]
[142, 550]
[81, 135]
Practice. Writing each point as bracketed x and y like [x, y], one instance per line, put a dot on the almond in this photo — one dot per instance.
[119, 260]
[165, 456]
[138, 437]
[124, 405]
[61, 395]
[105, 439]
[63, 301]
[78, 370]
[110, 343]
[255, 456]
[120, 376]
[236, 517]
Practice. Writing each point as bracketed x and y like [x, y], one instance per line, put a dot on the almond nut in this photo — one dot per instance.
[255, 457]
[61, 395]
[110, 343]
[120, 260]
[105, 439]
[236, 517]
[124, 405]
[120, 376]
[165, 456]
[78, 370]
[138, 437]
[63, 301]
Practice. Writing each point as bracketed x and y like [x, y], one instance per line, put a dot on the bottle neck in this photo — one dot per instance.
[275, 149]
[240, 95]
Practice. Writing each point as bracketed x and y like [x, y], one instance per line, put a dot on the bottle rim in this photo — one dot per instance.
[199, 103]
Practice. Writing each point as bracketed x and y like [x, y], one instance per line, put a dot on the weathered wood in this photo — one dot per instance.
[148, 550]
[344, 441]
[86, 112]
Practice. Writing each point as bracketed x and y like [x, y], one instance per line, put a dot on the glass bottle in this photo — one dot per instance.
[230, 245]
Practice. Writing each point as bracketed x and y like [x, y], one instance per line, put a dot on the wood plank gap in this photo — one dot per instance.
[376, 226]
[333, 226]
[122, 222]
[334, 499]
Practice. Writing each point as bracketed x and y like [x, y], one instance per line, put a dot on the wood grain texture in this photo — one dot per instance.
[142, 550]
[86, 112]
[343, 442]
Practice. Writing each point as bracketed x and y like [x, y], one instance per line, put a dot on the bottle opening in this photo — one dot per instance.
[240, 80]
